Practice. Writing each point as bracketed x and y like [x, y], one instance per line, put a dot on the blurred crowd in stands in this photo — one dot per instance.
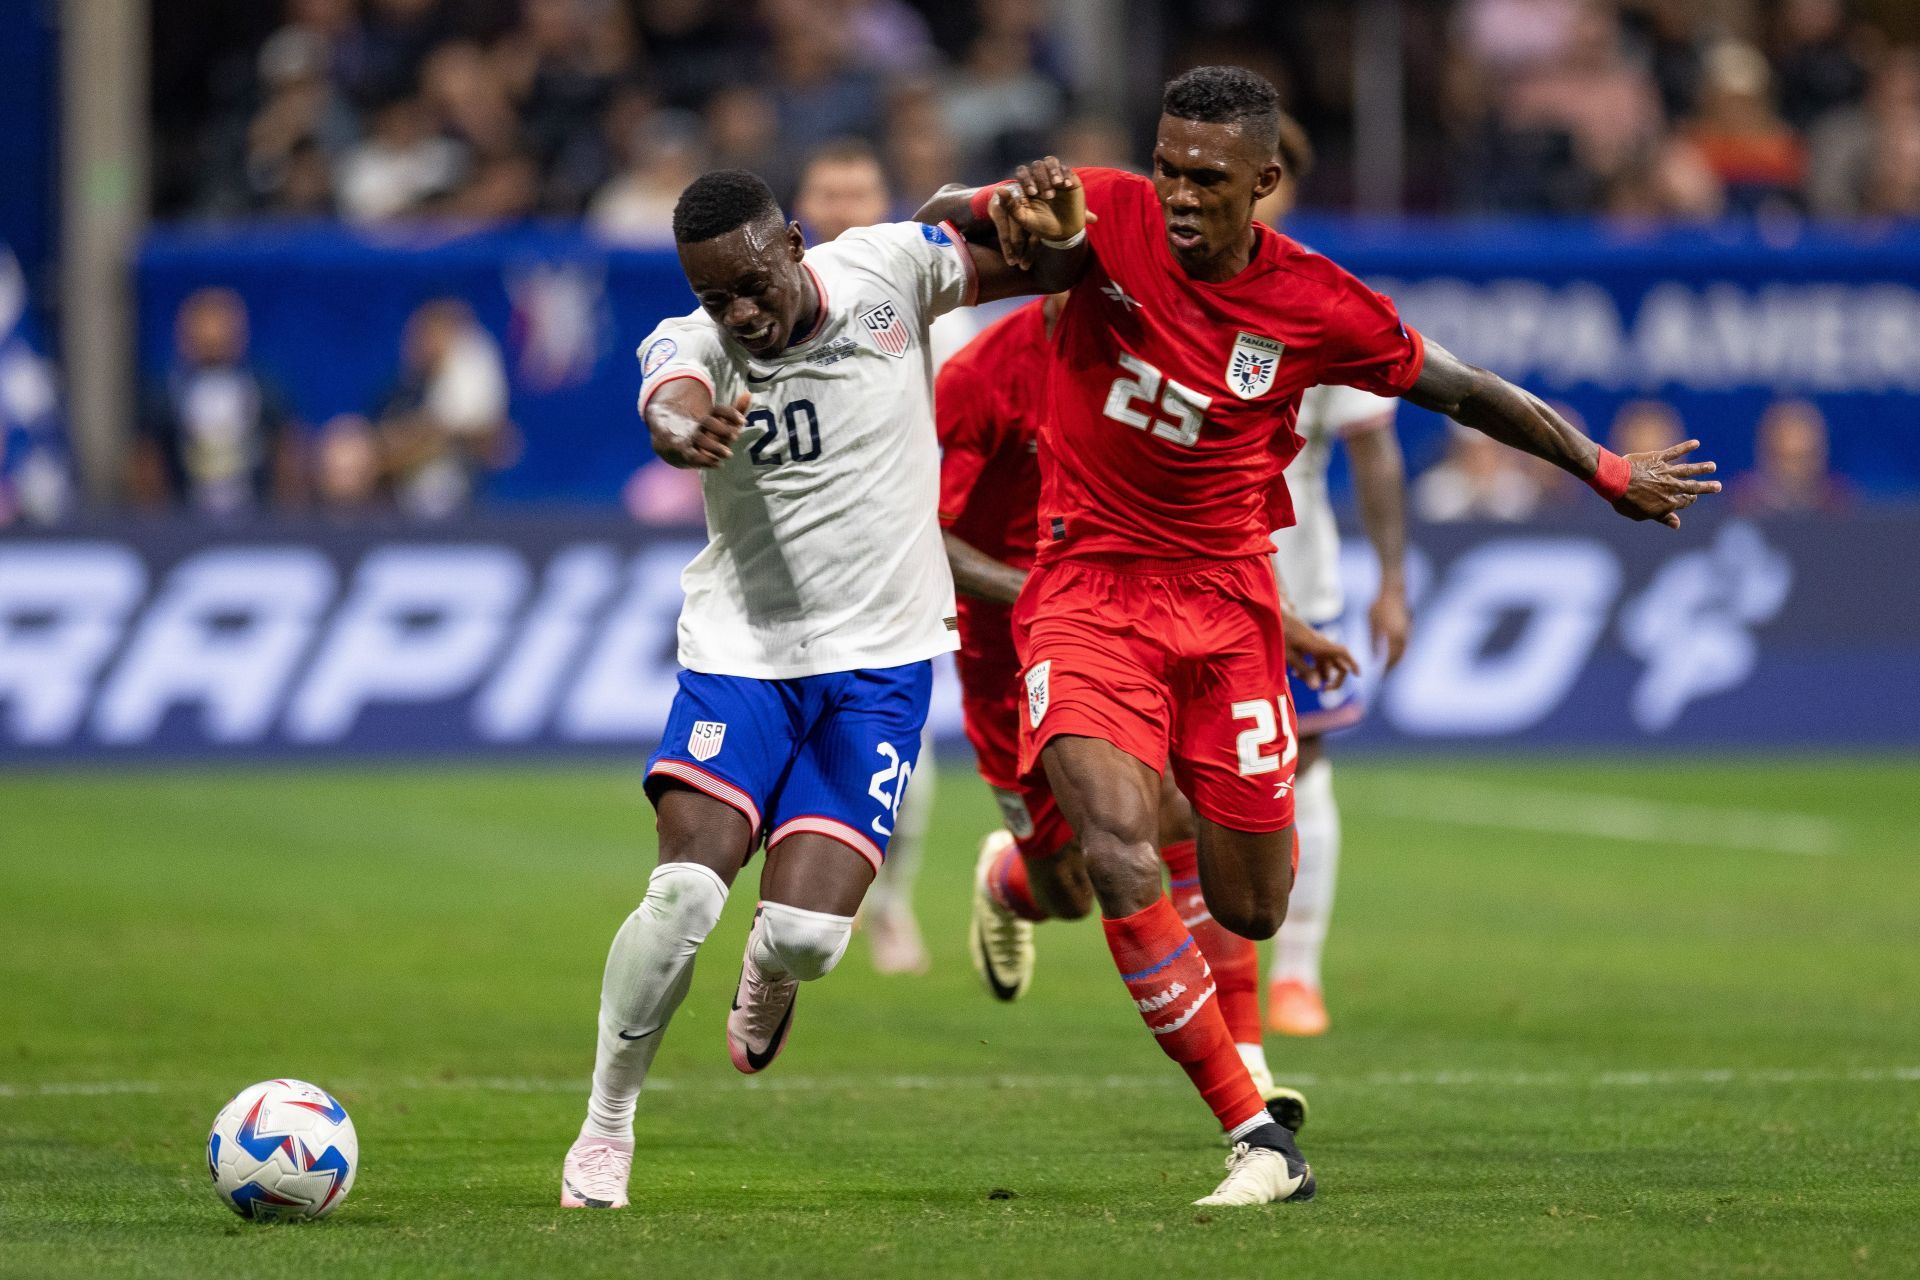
[371, 110]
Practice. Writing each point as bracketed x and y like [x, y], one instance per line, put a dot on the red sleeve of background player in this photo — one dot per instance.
[963, 414]
[1366, 344]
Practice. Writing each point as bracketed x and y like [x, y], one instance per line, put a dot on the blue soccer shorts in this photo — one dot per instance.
[1322, 710]
[830, 754]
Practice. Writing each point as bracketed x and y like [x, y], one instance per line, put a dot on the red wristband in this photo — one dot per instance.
[978, 202]
[1611, 477]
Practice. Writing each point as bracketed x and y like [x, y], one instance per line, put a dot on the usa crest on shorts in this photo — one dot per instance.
[1251, 367]
[888, 331]
[704, 742]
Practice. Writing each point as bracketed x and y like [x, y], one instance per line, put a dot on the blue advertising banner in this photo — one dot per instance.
[167, 640]
[1717, 323]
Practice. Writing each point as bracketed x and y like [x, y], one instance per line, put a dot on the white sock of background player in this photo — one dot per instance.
[648, 971]
[1316, 820]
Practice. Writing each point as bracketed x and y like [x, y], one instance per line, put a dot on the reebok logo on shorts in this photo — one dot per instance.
[704, 742]
[1038, 679]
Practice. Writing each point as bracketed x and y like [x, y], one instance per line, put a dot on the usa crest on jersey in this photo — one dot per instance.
[1251, 367]
[885, 326]
[704, 742]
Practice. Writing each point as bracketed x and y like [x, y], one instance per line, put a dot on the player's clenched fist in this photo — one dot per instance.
[1044, 201]
[1660, 486]
[682, 439]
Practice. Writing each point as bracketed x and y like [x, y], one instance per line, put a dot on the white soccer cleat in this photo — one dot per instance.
[897, 946]
[1000, 942]
[1261, 1175]
[762, 1012]
[595, 1174]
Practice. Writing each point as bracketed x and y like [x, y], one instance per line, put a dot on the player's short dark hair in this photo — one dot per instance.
[716, 203]
[1224, 95]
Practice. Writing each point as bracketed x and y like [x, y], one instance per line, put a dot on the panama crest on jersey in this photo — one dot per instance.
[1039, 678]
[888, 331]
[704, 742]
[1251, 367]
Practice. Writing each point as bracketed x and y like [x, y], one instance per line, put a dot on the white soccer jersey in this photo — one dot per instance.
[823, 545]
[1308, 554]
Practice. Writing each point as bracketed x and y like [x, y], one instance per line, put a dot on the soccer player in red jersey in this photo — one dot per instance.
[988, 404]
[1150, 625]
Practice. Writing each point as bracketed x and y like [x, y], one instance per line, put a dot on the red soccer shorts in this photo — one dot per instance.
[1187, 661]
[993, 704]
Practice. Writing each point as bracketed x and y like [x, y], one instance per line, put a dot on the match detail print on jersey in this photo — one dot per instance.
[1251, 366]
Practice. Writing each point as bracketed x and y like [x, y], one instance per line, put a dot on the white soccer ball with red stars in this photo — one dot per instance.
[283, 1149]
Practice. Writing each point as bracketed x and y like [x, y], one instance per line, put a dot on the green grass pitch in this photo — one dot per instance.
[1692, 1052]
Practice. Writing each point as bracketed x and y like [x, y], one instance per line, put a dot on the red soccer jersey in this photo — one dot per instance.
[988, 403]
[1173, 400]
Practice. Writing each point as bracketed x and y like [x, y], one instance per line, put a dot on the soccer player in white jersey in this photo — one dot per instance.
[802, 388]
[1308, 558]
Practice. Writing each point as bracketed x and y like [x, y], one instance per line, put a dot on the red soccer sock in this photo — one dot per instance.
[1235, 960]
[1172, 987]
[1007, 882]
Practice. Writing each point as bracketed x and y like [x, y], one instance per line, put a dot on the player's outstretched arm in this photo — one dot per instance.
[1027, 235]
[1380, 486]
[1641, 486]
[975, 573]
[688, 429]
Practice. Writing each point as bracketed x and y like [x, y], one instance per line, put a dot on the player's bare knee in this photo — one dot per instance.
[1125, 874]
[1257, 916]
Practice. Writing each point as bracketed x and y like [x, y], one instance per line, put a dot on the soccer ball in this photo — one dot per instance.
[282, 1149]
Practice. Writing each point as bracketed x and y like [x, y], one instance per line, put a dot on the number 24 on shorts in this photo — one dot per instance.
[1266, 727]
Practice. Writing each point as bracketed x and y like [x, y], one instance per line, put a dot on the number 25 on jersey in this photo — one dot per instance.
[1147, 400]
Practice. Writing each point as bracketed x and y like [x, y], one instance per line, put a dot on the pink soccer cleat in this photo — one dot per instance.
[762, 1011]
[595, 1174]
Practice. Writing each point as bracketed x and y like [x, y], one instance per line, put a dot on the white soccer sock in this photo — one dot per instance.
[1316, 820]
[892, 888]
[793, 940]
[648, 970]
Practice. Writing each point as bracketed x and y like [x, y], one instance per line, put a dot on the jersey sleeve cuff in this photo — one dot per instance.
[966, 261]
[1416, 364]
[673, 375]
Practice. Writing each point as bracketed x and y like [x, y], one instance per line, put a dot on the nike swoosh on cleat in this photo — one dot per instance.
[586, 1201]
[641, 1036]
[1001, 990]
[759, 1061]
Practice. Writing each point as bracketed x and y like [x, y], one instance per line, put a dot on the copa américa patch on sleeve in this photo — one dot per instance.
[662, 350]
[935, 235]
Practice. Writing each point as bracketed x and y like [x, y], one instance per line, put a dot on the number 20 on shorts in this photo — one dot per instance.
[1267, 725]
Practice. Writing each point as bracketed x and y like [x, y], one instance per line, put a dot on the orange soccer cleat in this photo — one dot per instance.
[1295, 1009]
